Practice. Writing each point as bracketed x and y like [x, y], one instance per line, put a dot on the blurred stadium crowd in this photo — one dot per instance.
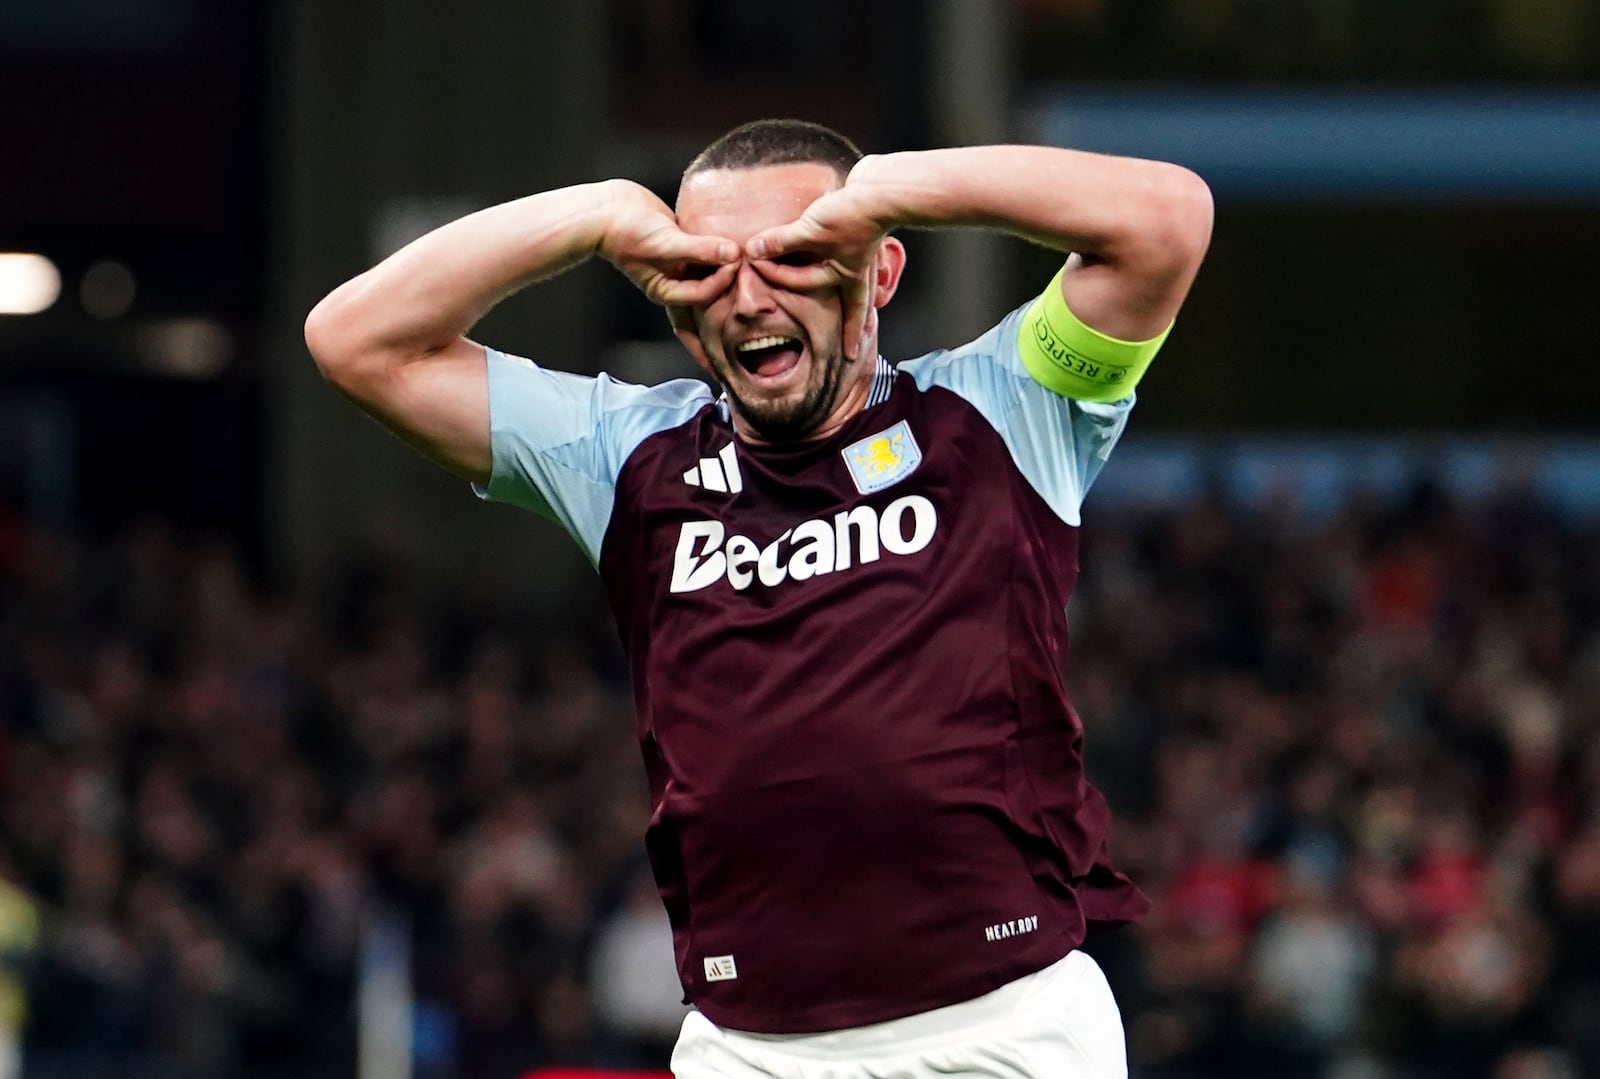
[1355, 760]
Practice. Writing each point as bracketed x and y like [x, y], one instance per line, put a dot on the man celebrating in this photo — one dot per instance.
[841, 584]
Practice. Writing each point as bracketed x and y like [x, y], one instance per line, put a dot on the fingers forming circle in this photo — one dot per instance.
[693, 291]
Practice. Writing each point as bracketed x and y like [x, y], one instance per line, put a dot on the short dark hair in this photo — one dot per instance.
[777, 142]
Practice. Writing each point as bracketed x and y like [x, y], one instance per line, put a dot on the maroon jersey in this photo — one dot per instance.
[866, 777]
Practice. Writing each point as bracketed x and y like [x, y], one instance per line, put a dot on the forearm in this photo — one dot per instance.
[1093, 204]
[1136, 229]
[431, 292]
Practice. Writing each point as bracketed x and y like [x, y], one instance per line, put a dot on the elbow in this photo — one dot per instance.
[322, 335]
[334, 345]
[1186, 211]
[1167, 231]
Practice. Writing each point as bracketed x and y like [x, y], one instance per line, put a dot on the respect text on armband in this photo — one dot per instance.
[1106, 374]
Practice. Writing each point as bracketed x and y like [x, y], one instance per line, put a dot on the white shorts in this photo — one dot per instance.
[1059, 1023]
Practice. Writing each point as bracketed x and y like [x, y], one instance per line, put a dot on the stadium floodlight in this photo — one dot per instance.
[29, 283]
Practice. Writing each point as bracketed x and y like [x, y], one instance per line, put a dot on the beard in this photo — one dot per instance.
[793, 419]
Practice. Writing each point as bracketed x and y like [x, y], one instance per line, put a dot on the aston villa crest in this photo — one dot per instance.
[883, 459]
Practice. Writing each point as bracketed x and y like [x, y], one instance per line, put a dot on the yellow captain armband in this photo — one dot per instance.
[1069, 358]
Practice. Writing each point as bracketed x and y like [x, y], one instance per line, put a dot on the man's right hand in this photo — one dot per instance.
[394, 338]
[670, 266]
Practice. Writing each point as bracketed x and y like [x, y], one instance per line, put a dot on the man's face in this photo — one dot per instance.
[777, 352]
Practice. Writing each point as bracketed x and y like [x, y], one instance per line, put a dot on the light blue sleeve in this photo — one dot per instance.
[1059, 444]
[558, 441]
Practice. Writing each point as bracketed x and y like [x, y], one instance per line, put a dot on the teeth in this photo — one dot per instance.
[763, 342]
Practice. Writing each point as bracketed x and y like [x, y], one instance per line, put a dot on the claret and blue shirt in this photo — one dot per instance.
[866, 777]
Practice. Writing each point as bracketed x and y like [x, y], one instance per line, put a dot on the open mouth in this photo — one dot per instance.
[769, 357]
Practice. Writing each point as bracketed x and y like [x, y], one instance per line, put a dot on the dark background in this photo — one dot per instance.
[164, 135]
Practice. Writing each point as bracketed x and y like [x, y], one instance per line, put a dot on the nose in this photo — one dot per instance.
[752, 293]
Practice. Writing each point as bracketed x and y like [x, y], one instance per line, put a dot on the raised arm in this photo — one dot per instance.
[393, 339]
[1136, 230]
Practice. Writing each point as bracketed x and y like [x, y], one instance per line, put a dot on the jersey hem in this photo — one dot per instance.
[839, 1017]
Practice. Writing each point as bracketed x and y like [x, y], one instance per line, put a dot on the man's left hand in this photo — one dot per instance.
[834, 244]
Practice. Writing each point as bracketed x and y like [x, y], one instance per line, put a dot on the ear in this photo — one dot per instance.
[682, 319]
[891, 263]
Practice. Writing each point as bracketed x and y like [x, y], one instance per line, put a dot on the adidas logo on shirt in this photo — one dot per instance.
[719, 473]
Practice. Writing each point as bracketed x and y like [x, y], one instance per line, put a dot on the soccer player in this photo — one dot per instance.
[841, 584]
